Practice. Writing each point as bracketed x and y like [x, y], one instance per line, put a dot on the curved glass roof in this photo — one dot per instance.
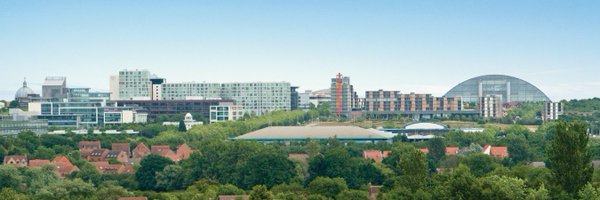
[510, 88]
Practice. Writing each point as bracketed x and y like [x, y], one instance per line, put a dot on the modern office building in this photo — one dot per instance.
[552, 110]
[384, 104]
[76, 114]
[294, 98]
[342, 95]
[511, 89]
[490, 106]
[9, 126]
[304, 99]
[255, 97]
[226, 113]
[155, 109]
[54, 87]
[84, 95]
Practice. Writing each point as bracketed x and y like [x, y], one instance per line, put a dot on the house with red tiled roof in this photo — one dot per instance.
[183, 151]
[122, 147]
[376, 155]
[16, 160]
[104, 167]
[496, 151]
[165, 151]
[120, 156]
[89, 145]
[63, 166]
[38, 163]
[449, 150]
[140, 151]
[97, 155]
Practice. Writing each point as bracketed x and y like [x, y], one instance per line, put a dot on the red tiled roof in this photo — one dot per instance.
[385, 154]
[16, 158]
[121, 147]
[89, 145]
[451, 150]
[373, 154]
[499, 151]
[165, 151]
[184, 151]
[64, 166]
[424, 150]
[38, 163]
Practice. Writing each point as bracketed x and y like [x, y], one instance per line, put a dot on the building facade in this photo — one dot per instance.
[490, 106]
[225, 113]
[342, 95]
[54, 87]
[511, 89]
[255, 97]
[14, 127]
[383, 102]
[155, 109]
[552, 110]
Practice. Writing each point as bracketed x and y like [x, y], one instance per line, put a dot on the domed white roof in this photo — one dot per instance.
[24, 91]
[188, 117]
[425, 125]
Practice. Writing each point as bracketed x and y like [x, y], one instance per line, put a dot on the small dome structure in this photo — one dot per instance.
[188, 117]
[23, 92]
[425, 126]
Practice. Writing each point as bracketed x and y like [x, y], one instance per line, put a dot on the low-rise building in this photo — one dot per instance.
[16, 160]
[552, 110]
[188, 121]
[490, 106]
[226, 113]
[301, 133]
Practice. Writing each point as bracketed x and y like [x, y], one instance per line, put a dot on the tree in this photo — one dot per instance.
[437, 149]
[112, 192]
[588, 192]
[146, 174]
[39, 177]
[10, 177]
[312, 148]
[67, 189]
[329, 187]
[182, 127]
[480, 164]
[569, 156]
[352, 195]
[170, 178]
[462, 184]
[518, 150]
[502, 187]
[10, 194]
[412, 168]
[268, 168]
[13, 104]
[260, 192]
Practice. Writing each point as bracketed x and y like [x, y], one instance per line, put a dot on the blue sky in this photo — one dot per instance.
[412, 46]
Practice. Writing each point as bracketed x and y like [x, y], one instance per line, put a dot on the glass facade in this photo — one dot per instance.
[511, 89]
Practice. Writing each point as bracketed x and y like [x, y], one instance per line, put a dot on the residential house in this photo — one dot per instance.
[165, 151]
[16, 160]
[89, 145]
[118, 155]
[63, 166]
[104, 167]
[499, 152]
[133, 198]
[38, 163]
[233, 197]
[140, 152]
[97, 155]
[183, 151]
[449, 150]
[122, 147]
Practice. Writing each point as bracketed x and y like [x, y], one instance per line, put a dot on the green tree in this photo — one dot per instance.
[462, 184]
[588, 192]
[352, 195]
[329, 187]
[39, 177]
[518, 150]
[480, 164]
[112, 192]
[312, 148]
[182, 127]
[260, 192]
[67, 189]
[268, 168]
[540, 194]
[146, 174]
[502, 187]
[170, 178]
[10, 177]
[412, 168]
[437, 149]
[10, 194]
[569, 157]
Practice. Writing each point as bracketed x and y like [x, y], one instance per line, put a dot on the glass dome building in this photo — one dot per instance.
[510, 88]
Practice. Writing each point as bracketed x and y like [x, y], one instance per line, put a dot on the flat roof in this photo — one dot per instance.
[315, 132]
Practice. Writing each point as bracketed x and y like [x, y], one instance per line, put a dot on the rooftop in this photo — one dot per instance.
[315, 132]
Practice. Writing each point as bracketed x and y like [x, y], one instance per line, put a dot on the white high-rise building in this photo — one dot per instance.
[255, 97]
[490, 106]
[552, 110]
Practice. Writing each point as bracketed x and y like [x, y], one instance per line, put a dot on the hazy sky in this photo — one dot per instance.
[411, 46]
